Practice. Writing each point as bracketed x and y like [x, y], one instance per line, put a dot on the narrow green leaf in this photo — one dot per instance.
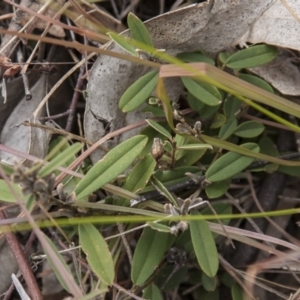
[113, 164]
[249, 129]
[214, 295]
[152, 292]
[138, 30]
[218, 121]
[138, 92]
[121, 41]
[252, 57]
[163, 190]
[204, 247]
[255, 80]
[60, 159]
[176, 175]
[163, 96]
[209, 283]
[237, 292]
[195, 147]
[97, 252]
[238, 149]
[217, 189]
[232, 106]
[268, 147]
[197, 56]
[292, 171]
[204, 92]
[228, 128]
[159, 227]
[187, 157]
[8, 170]
[230, 164]
[140, 174]
[222, 57]
[6, 194]
[149, 252]
[159, 128]
[194, 103]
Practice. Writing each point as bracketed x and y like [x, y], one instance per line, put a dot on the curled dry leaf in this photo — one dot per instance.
[22, 138]
[208, 26]
[279, 26]
[282, 73]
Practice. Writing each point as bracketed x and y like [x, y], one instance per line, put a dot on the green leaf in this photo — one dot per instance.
[163, 190]
[159, 227]
[228, 128]
[140, 174]
[217, 189]
[204, 246]
[209, 283]
[138, 30]
[167, 283]
[237, 292]
[138, 92]
[152, 292]
[122, 42]
[268, 147]
[252, 57]
[113, 164]
[194, 103]
[232, 106]
[159, 128]
[97, 252]
[185, 157]
[197, 56]
[257, 81]
[249, 129]
[195, 147]
[148, 253]
[292, 171]
[218, 121]
[6, 194]
[222, 57]
[8, 170]
[204, 92]
[60, 159]
[230, 164]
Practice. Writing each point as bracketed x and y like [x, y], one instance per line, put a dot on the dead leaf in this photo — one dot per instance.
[27, 139]
[212, 26]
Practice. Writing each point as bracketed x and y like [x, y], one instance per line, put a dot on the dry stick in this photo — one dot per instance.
[22, 262]
[58, 14]
[283, 232]
[278, 228]
[233, 272]
[125, 242]
[267, 122]
[75, 98]
[271, 187]
[26, 251]
[93, 35]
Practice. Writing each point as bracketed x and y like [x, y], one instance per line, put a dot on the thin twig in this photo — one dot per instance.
[75, 98]
[22, 262]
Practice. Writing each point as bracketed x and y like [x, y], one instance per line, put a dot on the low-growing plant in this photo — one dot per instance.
[191, 153]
